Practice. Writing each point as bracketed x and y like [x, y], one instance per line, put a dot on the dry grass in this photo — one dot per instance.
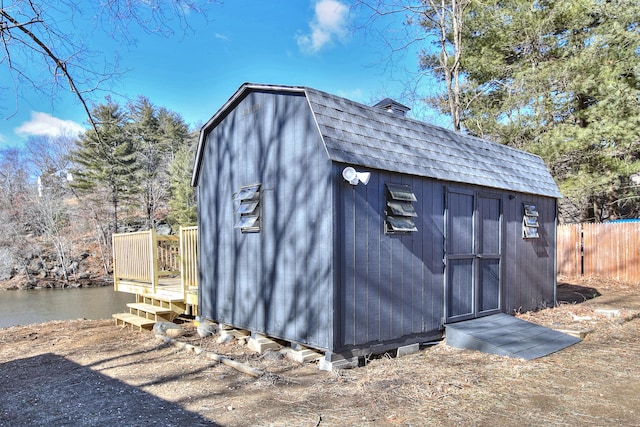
[592, 383]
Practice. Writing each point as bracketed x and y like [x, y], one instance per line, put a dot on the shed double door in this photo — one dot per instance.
[472, 254]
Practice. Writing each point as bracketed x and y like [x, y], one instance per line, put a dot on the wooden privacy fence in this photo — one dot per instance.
[607, 250]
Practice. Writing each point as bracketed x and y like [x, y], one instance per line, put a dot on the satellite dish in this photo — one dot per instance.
[350, 175]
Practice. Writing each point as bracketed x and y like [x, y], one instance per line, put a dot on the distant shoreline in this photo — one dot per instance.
[37, 283]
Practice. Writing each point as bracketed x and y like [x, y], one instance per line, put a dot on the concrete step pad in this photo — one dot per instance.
[507, 335]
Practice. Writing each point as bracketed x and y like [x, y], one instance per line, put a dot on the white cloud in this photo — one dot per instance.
[329, 22]
[43, 124]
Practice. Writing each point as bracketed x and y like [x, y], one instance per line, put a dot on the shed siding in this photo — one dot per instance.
[322, 271]
[391, 285]
[279, 281]
[529, 264]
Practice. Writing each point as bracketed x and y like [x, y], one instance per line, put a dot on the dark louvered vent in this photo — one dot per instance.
[392, 106]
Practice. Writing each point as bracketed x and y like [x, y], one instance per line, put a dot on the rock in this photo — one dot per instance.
[168, 329]
[27, 284]
[206, 329]
[75, 265]
[35, 266]
[6, 273]
[175, 332]
[610, 313]
[225, 338]
[163, 229]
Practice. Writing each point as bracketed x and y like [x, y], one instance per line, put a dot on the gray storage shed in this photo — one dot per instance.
[295, 246]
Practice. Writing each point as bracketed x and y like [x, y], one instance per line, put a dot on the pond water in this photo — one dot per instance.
[37, 306]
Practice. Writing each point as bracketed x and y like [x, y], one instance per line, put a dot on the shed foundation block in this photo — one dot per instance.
[260, 344]
[326, 365]
[408, 349]
[302, 355]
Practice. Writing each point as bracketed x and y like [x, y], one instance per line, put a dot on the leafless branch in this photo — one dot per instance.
[31, 32]
[60, 64]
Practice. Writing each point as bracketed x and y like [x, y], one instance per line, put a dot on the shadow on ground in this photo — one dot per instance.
[574, 294]
[51, 390]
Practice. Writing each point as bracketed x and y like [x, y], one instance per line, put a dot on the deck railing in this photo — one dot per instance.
[144, 257]
[189, 257]
[168, 255]
[132, 259]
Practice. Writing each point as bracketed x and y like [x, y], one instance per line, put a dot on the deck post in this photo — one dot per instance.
[153, 246]
[116, 279]
[183, 263]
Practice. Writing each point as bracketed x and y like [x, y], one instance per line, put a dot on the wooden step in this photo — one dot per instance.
[133, 320]
[163, 296]
[151, 311]
[149, 308]
[175, 307]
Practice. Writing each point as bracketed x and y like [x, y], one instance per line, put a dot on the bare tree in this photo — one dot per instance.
[49, 213]
[39, 35]
[446, 17]
[51, 219]
[437, 23]
[14, 188]
[14, 181]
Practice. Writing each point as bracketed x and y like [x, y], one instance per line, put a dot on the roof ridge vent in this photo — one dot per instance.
[392, 106]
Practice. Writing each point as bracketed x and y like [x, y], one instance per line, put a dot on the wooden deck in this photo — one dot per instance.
[161, 271]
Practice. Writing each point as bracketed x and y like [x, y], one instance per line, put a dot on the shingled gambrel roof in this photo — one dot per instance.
[369, 137]
[373, 138]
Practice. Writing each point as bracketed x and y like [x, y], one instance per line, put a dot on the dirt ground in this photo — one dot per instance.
[92, 373]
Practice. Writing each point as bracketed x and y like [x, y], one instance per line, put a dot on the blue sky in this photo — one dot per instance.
[316, 43]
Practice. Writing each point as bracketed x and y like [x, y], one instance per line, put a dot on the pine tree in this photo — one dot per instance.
[183, 196]
[146, 134]
[158, 134]
[561, 79]
[106, 158]
[174, 132]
